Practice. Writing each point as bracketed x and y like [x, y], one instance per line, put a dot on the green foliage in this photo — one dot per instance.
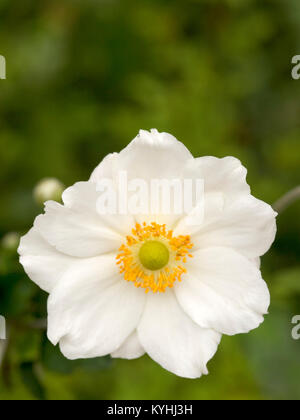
[82, 78]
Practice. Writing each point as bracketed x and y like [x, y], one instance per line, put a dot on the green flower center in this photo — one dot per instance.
[154, 255]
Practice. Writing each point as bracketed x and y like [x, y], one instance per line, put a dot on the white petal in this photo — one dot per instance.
[76, 233]
[106, 169]
[42, 262]
[93, 310]
[130, 349]
[154, 155]
[82, 198]
[257, 262]
[248, 225]
[192, 223]
[149, 155]
[223, 290]
[173, 340]
[225, 175]
[245, 224]
[232, 216]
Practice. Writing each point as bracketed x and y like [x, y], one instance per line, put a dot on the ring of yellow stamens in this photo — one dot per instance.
[153, 258]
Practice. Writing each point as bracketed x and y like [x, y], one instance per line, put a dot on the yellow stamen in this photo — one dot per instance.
[136, 259]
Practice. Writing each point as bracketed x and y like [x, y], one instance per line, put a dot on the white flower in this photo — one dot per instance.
[203, 280]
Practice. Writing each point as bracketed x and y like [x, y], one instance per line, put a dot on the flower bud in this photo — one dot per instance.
[10, 241]
[48, 189]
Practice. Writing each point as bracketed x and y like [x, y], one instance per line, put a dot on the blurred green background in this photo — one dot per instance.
[83, 76]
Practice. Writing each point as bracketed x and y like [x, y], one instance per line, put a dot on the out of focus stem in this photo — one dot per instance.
[287, 200]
